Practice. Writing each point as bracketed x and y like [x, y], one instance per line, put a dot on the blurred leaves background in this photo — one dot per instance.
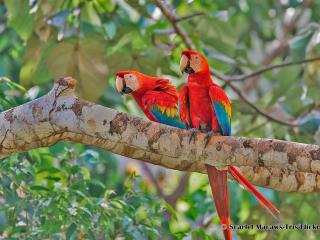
[71, 191]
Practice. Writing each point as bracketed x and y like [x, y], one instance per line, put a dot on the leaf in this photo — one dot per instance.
[12, 84]
[90, 15]
[81, 194]
[125, 39]
[59, 19]
[197, 181]
[86, 210]
[116, 204]
[147, 60]
[288, 80]
[298, 46]
[90, 156]
[39, 188]
[170, 210]
[96, 182]
[19, 17]
[102, 6]
[219, 34]
[34, 69]
[110, 28]
[50, 169]
[56, 179]
[84, 60]
[72, 232]
[85, 172]
[139, 6]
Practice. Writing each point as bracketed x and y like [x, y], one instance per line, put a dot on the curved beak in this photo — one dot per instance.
[121, 86]
[184, 62]
[185, 65]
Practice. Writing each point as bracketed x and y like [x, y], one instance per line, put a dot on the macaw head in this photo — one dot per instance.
[127, 82]
[138, 83]
[193, 62]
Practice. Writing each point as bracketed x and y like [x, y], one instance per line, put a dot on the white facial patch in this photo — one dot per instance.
[195, 62]
[131, 82]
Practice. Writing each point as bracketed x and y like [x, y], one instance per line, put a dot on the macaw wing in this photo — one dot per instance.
[222, 108]
[163, 107]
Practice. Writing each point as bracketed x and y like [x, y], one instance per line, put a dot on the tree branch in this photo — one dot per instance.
[61, 116]
[291, 123]
[192, 15]
[237, 78]
[154, 180]
[171, 16]
[173, 198]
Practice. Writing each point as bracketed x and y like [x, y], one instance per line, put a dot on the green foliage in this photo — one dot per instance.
[19, 18]
[77, 192]
[8, 90]
[49, 196]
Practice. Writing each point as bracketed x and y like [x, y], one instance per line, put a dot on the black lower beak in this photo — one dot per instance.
[125, 89]
[188, 68]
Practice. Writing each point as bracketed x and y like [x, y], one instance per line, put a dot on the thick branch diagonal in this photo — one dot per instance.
[61, 116]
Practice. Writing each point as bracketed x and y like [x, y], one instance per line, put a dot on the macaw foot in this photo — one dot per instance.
[208, 137]
[192, 132]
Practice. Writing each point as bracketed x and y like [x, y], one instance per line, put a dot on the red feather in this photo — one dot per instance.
[219, 187]
[262, 200]
[184, 106]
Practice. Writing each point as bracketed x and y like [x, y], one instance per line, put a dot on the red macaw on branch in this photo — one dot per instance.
[156, 97]
[204, 106]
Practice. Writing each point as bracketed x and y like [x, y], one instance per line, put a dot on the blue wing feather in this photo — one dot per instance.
[223, 119]
[163, 118]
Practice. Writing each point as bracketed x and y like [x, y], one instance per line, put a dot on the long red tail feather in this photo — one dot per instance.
[219, 186]
[262, 200]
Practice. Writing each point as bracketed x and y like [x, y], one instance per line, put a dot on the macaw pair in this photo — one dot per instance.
[201, 105]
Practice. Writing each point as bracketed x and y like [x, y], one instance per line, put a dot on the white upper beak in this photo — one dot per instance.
[119, 84]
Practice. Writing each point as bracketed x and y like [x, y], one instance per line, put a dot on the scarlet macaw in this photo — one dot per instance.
[205, 106]
[156, 97]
